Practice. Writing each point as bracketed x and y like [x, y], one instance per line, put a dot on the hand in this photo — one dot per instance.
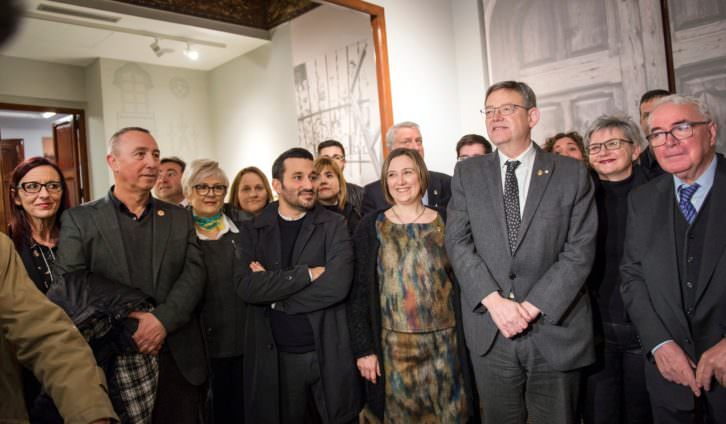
[256, 267]
[510, 317]
[315, 272]
[676, 367]
[712, 365]
[151, 333]
[531, 310]
[369, 368]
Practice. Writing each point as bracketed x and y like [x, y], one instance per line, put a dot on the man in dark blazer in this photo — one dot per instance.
[522, 270]
[407, 134]
[296, 270]
[674, 266]
[141, 242]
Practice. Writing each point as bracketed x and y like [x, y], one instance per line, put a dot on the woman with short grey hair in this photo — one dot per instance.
[205, 186]
[615, 388]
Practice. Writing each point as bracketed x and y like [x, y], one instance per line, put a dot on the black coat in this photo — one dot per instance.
[323, 241]
[439, 192]
[364, 315]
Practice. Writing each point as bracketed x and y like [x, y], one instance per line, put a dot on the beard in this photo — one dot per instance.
[297, 199]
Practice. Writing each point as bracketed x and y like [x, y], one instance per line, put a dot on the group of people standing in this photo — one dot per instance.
[529, 287]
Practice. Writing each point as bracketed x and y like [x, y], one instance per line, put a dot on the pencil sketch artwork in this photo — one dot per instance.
[134, 84]
[336, 96]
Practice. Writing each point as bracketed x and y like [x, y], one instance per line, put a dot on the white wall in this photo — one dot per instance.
[41, 80]
[252, 102]
[96, 132]
[30, 130]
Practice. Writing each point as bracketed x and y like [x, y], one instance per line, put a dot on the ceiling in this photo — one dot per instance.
[72, 32]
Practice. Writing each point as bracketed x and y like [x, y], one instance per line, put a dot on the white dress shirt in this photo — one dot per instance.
[523, 172]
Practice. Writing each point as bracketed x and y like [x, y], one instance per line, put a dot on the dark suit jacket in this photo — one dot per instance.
[651, 285]
[323, 241]
[555, 250]
[439, 192]
[90, 239]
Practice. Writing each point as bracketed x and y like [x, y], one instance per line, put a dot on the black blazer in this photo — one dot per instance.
[90, 239]
[323, 241]
[439, 192]
[651, 285]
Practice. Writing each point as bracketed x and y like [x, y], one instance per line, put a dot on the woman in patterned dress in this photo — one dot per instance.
[404, 305]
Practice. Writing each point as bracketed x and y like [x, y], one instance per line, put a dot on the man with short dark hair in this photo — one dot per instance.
[521, 238]
[135, 240]
[168, 187]
[296, 268]
[408, 134]
[472, 145]
[674, 267]
[647, 157]
[333, 149]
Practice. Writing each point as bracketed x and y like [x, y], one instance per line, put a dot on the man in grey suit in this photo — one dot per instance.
[674, 266]
[522, 270]
[141, 242]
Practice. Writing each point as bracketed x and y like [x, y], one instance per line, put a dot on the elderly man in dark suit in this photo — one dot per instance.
[407, 134]
[521, 238]
[296, 270]
[674, 265]
[138, 241]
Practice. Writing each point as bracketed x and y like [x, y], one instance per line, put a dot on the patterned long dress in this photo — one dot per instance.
[424, 382]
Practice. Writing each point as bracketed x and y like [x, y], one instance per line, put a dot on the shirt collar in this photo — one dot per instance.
[227, 226]
[121, 207]
[705, 181]
[524, 157]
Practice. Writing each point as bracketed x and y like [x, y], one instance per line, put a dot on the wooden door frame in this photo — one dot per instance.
[383, 76]
[83, 153]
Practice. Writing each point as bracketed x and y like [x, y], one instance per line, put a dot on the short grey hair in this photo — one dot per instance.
[115, 139]
[391, 133]
[524, 90]
[200, 169]
[678, 99]
[624, 123]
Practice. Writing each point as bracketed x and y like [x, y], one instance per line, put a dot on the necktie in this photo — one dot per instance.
[511, 204]
[686, 192]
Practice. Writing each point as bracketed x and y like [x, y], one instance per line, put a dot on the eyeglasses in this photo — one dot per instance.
[35, 187]
[612, 144]
[504, 110]
[680, 132]
[206, 189]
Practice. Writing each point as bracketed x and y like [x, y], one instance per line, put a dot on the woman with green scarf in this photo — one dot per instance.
[205, 186]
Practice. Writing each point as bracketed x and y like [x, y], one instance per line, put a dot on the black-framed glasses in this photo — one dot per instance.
[503, 110]
[206, 189]
[612, 144]
[680, 132]
[35, 187]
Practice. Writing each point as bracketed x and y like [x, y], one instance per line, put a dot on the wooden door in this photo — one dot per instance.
[583, 58]
[12, 152]
[698, 31]
[67, 151]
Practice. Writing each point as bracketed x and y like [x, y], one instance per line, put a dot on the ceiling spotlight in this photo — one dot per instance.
[158, 50]
[190, 53]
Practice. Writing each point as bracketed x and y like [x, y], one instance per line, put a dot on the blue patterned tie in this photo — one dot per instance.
[685, 192]
[511, 204]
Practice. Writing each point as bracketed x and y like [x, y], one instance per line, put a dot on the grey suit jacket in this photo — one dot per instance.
[90, 239]
[651, 286]
[555, 250]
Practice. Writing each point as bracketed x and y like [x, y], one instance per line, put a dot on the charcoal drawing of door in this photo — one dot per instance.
[583, 58]
[698, 33]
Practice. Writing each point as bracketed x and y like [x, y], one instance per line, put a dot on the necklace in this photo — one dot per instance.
[393, 209]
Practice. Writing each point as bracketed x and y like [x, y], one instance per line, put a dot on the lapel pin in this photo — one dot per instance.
[539, 172]
[436, 192]
[547, 171]
[160, 212]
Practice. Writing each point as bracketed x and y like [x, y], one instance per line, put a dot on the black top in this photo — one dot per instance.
[352, 217]
[611, 198]
[38, 260]
[137, 234]
[292, 333]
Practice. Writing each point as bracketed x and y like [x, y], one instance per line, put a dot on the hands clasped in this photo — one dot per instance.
[676, 367]
[510, 317]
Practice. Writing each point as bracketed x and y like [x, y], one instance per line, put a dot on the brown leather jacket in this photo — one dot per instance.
[35, 332]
